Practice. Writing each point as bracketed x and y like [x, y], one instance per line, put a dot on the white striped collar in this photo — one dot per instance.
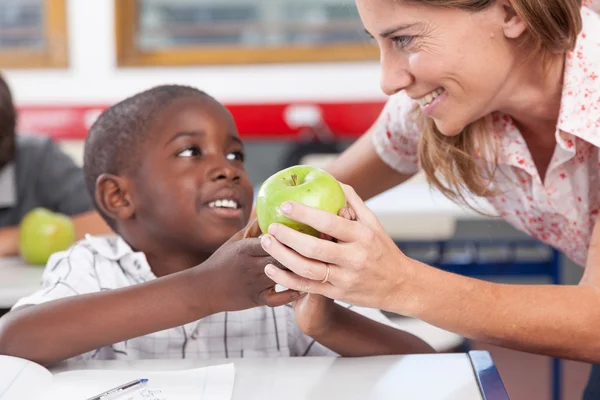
[112, 247]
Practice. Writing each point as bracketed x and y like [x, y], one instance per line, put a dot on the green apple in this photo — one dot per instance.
[302, 183]
[42, 233]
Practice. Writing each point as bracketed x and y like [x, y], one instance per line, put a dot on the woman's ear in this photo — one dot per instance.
[513, 25]
[113, 197]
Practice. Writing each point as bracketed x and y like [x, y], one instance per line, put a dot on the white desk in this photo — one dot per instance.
[416, 211]
[17, 279]
[431, 377]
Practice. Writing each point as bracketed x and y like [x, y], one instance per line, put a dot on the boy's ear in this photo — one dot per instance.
[113, 197]
[513, 25]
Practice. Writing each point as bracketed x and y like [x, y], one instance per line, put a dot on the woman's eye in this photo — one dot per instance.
[189, 152]
[402, 41]
[236, 156]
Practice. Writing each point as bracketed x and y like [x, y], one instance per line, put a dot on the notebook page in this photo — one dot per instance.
[209, 383]
[22, 379]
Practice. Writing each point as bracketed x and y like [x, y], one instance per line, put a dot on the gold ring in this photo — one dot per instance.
[326, 274]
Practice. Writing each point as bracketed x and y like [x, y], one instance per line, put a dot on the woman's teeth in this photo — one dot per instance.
[428, 98]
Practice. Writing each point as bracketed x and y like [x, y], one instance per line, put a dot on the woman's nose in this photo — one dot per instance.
[394, 74]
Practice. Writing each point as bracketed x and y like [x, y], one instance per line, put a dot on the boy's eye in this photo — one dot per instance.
[236, 156]
[189, 152]
[402, 41]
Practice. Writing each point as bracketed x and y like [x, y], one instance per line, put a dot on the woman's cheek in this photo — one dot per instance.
[425, 67]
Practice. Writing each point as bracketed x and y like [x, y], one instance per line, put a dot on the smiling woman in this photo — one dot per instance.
[492, 98]
[448, 50]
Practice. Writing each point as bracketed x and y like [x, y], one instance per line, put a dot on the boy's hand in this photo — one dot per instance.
[314, 314]
[252, 230]
[239, 281]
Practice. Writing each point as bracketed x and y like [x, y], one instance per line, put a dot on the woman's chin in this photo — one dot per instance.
[449, 128]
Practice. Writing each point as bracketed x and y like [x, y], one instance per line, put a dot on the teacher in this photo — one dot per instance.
[491, 98]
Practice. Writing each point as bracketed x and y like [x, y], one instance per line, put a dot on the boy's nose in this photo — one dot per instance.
[224, 171]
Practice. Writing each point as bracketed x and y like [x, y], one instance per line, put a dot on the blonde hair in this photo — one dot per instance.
[451, 163]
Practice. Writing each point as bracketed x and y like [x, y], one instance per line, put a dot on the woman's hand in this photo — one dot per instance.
[364, 267]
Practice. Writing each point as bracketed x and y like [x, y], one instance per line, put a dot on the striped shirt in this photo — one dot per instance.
[105, 263]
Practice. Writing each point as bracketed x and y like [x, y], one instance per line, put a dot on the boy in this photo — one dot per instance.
[165, 168]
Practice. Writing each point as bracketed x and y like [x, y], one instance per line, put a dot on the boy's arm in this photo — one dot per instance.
[231, 279]
[351, 334]
[63, 328]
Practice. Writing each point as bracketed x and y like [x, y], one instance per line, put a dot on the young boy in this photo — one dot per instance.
[166, 170]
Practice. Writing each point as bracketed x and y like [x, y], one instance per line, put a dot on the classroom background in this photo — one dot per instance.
[301, 79]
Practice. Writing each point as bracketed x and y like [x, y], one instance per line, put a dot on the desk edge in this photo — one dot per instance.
[487, 375]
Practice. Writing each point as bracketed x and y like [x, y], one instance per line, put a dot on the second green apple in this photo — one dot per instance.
[43, 233]
[302, 183]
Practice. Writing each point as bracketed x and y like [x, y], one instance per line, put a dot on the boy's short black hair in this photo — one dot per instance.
[113, 140]
[8, 123]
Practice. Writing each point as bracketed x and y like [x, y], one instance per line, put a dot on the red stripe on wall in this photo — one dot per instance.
[255, 121]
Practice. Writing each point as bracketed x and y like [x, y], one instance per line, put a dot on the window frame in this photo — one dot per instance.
[128, 55]
[55, 54]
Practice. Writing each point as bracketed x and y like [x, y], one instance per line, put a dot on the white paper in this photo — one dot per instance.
[209, 383]
[24, 380]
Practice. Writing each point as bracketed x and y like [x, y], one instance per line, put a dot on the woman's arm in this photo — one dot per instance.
[368, 269]
[558, 321]
[555, 320]
[361, 167]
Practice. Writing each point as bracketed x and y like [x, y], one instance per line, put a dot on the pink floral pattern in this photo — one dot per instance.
[562, 210]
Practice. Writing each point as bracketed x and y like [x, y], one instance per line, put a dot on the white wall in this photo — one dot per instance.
[93, 77]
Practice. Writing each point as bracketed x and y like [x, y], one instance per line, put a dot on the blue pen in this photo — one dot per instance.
[120, 389]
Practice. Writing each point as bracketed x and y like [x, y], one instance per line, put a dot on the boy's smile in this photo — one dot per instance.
[226, 203]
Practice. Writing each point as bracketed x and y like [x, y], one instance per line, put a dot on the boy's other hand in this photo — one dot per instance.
[252, 230]
[239, 279]
[314, 314]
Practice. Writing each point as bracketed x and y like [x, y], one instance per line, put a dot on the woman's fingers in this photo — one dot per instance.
[293, 261]
[306, 245]
[297, 283]
[323, 221]
[342, 227]
[348, 213]
[358, 206]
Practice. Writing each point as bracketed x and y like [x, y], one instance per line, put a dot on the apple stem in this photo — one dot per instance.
[294, 180]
